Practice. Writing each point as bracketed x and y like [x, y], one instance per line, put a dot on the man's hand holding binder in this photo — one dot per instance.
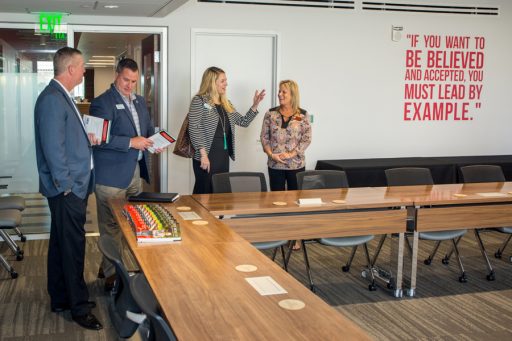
[97, 129]
[161, 140]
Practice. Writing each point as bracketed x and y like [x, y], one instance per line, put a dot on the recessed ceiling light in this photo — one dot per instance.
[111, 6]
[86, 6]
[100, 61]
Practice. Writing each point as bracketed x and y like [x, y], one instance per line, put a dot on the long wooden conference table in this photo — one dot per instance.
[204, 297]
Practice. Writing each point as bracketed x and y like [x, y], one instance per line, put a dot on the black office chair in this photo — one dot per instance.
[9, 219]
[325, 179]
[411, 176]
[158, 329]
[239, 182]
[487, 173]
[122, 303]
[248, 182]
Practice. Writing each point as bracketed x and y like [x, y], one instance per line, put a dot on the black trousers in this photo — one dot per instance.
[66, 253]
[282, 179]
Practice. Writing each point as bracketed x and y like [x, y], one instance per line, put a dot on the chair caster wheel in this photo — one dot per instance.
[427, 261]
[23, 239]
[19, 257]
[20, 252]
[312, 288]
[345, 268]
[463, 278]
[491, 276]
[497, 254]
[372, 287]
[14, 274]
[445, 261]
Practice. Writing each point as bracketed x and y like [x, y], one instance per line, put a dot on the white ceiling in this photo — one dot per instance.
[135, 8]
[107, 44]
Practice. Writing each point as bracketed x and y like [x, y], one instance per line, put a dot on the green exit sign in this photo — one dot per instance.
[51, 23]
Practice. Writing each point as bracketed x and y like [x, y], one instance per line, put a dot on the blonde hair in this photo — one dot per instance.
[294, 94]
[208, 88]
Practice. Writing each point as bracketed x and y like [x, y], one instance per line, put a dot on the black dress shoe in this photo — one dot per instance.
[88, 321]
[59, 308]
[110, 283]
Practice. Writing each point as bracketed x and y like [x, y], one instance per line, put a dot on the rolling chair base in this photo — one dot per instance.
[8, 267]
[12, 245]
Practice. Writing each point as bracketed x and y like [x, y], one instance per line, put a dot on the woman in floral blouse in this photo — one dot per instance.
[285, 135]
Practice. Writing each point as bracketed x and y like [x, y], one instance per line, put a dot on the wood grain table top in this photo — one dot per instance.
[204, 297]
[454, 194]
[264, 202]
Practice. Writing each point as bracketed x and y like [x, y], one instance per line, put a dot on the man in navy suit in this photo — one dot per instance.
[66, 178]
[123, 161]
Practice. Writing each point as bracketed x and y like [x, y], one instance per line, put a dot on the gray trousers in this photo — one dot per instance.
[106, 221]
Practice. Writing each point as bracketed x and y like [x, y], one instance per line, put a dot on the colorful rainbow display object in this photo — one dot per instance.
[152, 223]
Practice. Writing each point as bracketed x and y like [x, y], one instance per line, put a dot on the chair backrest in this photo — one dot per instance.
[110, 250]
[122, 297]
[408, 176]
[12, 202]
[321, 179]
[482, 173]
[159, 328]
[239, 182]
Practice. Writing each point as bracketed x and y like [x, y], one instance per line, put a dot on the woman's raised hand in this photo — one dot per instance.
[258, 97]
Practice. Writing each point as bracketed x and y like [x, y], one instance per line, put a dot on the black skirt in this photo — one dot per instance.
[219, 163]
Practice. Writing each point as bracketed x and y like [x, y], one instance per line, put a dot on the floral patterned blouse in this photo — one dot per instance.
[294, 137]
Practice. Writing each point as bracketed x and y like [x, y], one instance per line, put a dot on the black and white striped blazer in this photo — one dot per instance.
[203, 120]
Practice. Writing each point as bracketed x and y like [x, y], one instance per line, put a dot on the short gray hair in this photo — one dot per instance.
[63, 58]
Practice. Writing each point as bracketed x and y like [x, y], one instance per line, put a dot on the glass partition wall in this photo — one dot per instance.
[26, 67]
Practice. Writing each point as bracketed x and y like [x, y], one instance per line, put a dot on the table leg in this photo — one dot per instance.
[400, 266]
[414, 265]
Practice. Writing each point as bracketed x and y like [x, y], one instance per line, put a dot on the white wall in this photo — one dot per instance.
[351, 77]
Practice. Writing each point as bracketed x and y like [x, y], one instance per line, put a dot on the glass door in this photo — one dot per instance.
[148, 47]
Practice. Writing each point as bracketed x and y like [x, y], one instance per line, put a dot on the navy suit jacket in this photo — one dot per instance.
[114, 161]
[63, 150]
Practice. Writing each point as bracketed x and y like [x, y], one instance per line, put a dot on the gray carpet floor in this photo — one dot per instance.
[443, 308]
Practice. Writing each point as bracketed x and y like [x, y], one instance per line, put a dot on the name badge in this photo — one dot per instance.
[120, 106]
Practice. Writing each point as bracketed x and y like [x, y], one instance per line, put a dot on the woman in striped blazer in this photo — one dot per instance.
[212, 121]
